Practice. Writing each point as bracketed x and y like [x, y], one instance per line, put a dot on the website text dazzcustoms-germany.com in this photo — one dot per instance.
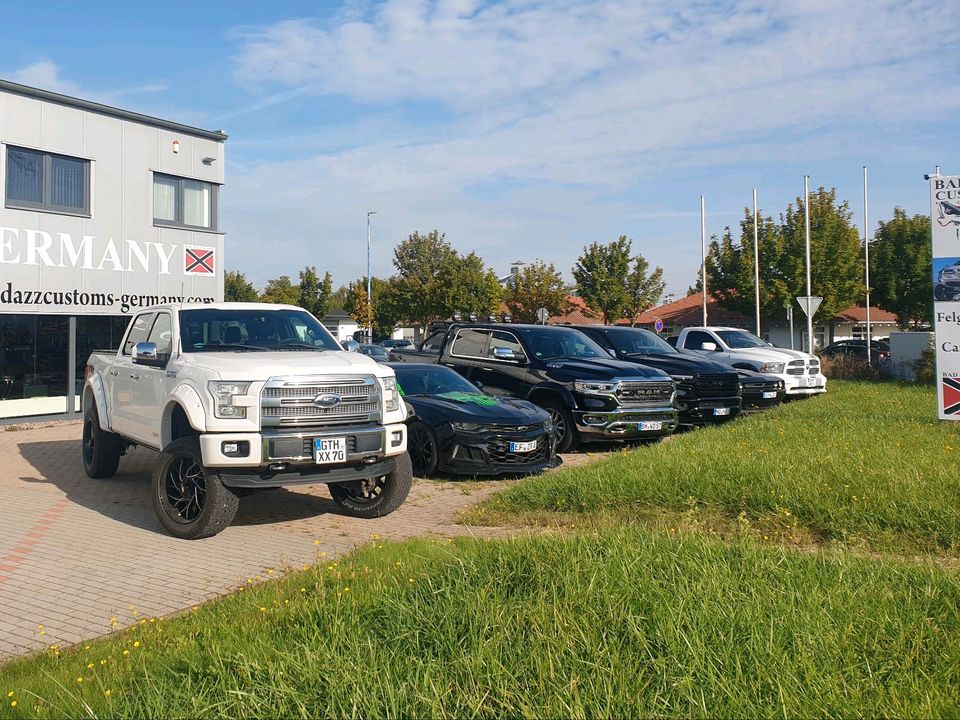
[66, 298]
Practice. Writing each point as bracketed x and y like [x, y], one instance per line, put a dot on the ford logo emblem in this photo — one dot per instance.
[327, 400]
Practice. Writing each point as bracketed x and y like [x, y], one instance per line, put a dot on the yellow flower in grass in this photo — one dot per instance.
[89, 666]
[126, 652]
[13, 704]
[79, 680]
[10, 694]
[103, 662]
[136, 643]
[108, 693]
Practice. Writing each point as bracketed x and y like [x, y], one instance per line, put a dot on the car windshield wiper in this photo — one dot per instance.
[231, 346]
[296, 345]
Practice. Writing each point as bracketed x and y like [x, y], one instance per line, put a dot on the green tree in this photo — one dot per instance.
[280, 290]
[425, 267]
[386, 311]
[900, 268]
[537, 285]
[338, 299]
[476, 289]
[315, 294]
[236, 288]
[601, 277]
[643, 289]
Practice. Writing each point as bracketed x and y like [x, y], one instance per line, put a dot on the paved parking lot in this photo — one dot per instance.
[79, 557]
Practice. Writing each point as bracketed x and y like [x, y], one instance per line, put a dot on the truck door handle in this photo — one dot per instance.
[134, 376]
[113, 372]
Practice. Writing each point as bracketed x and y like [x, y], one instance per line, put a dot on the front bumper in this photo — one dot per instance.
[487, 451]
[754, 400]
[285, 457]
[624, 423]
[701, 411]
[805, 384]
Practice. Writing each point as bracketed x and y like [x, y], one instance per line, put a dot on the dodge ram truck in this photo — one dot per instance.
[799, 371]
[238, 397]
[589, 395]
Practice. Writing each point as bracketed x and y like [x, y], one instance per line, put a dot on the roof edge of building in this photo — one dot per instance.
[91, 106]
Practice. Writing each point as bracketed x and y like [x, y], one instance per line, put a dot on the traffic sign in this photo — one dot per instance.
[809, 304]
[542, 315]
[658, 325]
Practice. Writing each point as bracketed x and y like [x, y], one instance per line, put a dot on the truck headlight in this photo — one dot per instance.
[772, 367]
[588, 387]
[390, 395]
[223, 395]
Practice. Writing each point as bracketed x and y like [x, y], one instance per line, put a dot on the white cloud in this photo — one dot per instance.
[47, 75]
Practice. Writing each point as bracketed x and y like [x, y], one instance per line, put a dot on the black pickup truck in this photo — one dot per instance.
[590, 396]
[707, 391]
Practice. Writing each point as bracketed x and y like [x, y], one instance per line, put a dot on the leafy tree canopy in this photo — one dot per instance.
[535, 286]
[901, 268]
[236, 288]
[280, 290]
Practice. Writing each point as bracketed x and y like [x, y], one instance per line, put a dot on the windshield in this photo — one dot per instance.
[436, 380]
[740, 339]
[633, 341]
[210, 330]
[551, 343]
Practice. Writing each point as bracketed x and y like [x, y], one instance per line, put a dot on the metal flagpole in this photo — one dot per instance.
[806, 224]
[866, 252]
[703, 254]
[369, 288]
[756, 257]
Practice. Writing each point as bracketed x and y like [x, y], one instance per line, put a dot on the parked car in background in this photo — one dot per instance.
[589, 395]
[759, 391]
[401, 343]
[374, 351]
[426, 351]
[857, 349]
[947, 286]
[799, 371]
[457, 428]
[707, 391]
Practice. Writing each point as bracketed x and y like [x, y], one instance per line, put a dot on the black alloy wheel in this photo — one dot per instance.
[184, 490]
[422, 448]
[568, 439]
[101, 449]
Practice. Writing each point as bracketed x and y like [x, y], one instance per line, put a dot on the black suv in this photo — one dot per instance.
[707, 391]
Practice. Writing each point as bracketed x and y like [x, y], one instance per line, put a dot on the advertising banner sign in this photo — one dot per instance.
[60, 273]
[945, 231]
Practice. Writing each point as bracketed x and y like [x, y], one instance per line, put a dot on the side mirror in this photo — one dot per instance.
[708, 346]
[612, 353]
[501, 353]
[145, 353]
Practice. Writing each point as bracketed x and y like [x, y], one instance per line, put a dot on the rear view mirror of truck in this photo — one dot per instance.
[708, 346]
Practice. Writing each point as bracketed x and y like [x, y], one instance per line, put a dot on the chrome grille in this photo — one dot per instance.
[635, 394]
[290, 401]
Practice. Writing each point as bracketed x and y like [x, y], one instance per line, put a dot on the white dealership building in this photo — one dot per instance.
[102, 211]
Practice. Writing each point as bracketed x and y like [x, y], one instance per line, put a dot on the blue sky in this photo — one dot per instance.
[522, 129]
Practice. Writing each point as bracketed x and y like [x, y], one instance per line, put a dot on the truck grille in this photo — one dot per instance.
[718, 385]
[289, 402]
[640, 394]
[803, 367]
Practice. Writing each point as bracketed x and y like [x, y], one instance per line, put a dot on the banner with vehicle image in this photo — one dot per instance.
[945, 231]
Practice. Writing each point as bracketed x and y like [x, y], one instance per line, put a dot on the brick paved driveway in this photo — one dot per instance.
[75, 552]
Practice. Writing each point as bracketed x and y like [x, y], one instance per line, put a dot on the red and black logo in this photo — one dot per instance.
[198, 260]
[951, 396]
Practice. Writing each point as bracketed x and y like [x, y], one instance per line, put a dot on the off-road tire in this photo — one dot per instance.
[569, 440]
[101, 449]
[182, 457]
[390, 492]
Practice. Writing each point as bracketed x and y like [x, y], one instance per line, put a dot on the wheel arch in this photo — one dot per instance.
[183, 416]
[551, 391]
[95, 394]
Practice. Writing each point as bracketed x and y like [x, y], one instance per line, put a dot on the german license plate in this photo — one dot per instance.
[523, 447]
[721, 411]
[650, 425]
[810, 381]
[769, 394]
[328, 451]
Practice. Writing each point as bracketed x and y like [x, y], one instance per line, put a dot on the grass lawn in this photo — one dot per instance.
[866, 463]
[623, 622]
[662, 601]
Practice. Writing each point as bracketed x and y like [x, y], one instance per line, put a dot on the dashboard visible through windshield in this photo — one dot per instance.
[252, 330]
[559, 343]
[740, 339]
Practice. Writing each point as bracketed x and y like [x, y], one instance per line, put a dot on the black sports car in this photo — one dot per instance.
[760, 391]
[458, 429]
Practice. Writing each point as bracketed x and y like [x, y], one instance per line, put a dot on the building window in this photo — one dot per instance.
[47, 182]
[181, 202]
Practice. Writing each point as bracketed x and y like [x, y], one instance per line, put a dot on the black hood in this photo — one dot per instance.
[567, 370]
[680, 363]
[478, 408]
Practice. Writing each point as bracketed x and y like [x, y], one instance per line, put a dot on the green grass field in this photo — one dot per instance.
[664, 601]
[864, 464]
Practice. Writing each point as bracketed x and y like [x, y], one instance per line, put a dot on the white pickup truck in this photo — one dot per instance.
[799, 371]
[242, 396]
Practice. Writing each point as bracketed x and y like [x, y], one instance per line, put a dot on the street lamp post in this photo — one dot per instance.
[369, 284]
[806, 227]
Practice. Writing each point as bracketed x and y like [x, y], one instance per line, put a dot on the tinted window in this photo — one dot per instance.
[631, 341]
[254, 330]
[548, 344]
[433, 380]
[470, 343]
[138, 331]
[740, 339]
[45, 181]
[162, 335]
[696, 339]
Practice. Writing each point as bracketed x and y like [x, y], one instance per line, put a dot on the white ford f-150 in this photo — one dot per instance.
[799, 371]
[242, 396]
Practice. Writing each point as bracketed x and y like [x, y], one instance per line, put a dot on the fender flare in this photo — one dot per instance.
[187, 399]
[94, 391]
[551, 389]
